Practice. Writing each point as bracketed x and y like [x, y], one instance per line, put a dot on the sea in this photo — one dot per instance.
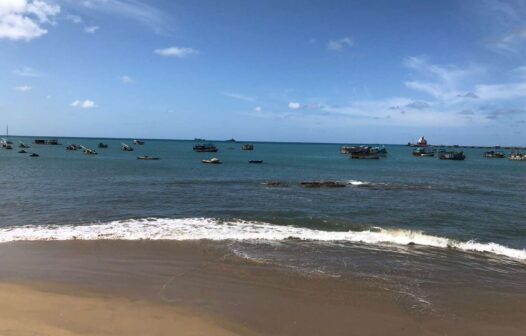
[416, 225]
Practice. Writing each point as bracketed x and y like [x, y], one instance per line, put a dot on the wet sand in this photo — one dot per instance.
[199, 288]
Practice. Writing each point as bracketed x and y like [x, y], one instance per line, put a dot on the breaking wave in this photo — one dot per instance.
[214, 229]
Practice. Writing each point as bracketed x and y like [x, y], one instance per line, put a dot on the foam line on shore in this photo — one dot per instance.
[213, 229]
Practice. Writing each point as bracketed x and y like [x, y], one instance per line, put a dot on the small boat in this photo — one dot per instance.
[423, 151]
[126, 148]
[102, 145]
[4, 143]
[457, 156]
[146, 157]
[205, 148]
[89, 151]
[517, 157]
[255, 161]
[52, 142]
[72, 147]
[23, 145]
[212, 161]
[34, 155]
[138, 142]
[247, 147]
[494, 155]
[22, 151]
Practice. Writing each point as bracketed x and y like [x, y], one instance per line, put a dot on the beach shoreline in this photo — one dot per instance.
[209, 286]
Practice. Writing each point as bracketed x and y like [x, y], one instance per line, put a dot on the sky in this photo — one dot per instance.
[306, 71]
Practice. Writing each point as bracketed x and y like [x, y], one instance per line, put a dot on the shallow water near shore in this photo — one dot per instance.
[421, 224]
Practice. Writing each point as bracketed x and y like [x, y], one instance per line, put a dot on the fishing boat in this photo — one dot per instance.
[34, 155]
[382, 151]
[88, 151]
[494, 155]
[247, 147]
[72, 147]
[205, 148]
[102, 145]
[22, 151]
[126, 148]
[423, 151]
[517, 157]
[5, 144]
[138, 142]
[23, 145]
[146, 157]
[255, 161]
[364, 152]
[457, 156]
[212, 161]
[52, 142]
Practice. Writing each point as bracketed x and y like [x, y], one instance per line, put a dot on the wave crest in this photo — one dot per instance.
[213, 229]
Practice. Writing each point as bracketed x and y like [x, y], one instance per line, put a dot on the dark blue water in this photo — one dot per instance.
[478, 200]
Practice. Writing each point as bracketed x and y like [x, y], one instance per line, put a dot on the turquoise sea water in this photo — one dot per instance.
[464, 215]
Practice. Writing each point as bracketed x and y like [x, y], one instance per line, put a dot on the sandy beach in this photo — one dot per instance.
[198, 288]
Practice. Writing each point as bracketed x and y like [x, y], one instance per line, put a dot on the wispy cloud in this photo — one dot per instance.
[27, 72]
[24, 20]
[258, 109]
[23, 88]
[441, 82]
[239, 96]
[340, 44]
[127, 79]
[142, 12]
[91, 29]
[85, 104]
[73, 18]
[174, 51]
[504, 113]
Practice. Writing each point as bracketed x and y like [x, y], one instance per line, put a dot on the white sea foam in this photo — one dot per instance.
[357, 183]
[212, 229]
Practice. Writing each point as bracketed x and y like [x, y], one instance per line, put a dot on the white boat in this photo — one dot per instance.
[126, 148]
[212, 161]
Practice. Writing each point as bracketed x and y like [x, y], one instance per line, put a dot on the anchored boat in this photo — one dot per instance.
[205, 148]
[212, 161]
[457, 156]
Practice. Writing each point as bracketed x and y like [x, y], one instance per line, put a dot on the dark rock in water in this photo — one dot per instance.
[275, 184]
[411, 244]
[323, 184]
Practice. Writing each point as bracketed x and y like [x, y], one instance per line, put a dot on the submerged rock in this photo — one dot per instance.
[323, 184]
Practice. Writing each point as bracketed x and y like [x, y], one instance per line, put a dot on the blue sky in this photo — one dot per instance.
[321, 71]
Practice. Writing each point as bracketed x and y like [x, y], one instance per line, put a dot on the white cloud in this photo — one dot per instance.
[86, 104]
[26, 72]
[294, 105]
[441, 82]
[238, 96]
[23, 88]
[74, 18]
[257, 109]
[127, 79]
[340, 44]
[23, 19]
[176, 51]
[139, 11]
[91, 29]
[501, 91]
